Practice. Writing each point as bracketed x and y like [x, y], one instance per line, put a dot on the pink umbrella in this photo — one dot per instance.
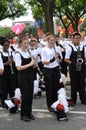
[18, 27]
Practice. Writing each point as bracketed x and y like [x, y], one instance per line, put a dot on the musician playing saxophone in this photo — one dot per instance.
[75, 57]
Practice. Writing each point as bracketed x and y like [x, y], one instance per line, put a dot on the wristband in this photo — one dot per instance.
[52, 60]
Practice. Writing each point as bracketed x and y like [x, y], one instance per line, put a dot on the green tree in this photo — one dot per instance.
[6, 32]
[47, 9]
[83, 25]
[30, 30]
[11, 9]
[73, 9]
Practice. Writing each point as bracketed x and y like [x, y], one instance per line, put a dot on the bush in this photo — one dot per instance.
[6, 32]
[30, 30]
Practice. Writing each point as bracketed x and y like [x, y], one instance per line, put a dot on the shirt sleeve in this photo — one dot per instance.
[17, 59]
[43, 55]
[68, 52]
[1, 63]
[85, 52]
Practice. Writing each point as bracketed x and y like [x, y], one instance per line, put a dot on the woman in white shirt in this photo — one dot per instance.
[50, 58]
[24, 65]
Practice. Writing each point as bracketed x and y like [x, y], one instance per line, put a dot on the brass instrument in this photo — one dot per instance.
[79, 60]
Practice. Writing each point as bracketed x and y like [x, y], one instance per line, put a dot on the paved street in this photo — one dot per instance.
[44, 119]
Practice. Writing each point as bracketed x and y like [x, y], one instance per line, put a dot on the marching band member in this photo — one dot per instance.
[8, 82]
[64, 45]
[24, 64]
[35, 52]
[49, 55]
[76, 57]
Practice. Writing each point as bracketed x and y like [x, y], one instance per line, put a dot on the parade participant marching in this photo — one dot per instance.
[49, 55]
[76, 57]
[64, 45]
[24, 64]
[34, 51]
[8, 80]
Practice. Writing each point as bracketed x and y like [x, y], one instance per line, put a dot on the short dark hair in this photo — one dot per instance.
[3, 40]
[76, 34]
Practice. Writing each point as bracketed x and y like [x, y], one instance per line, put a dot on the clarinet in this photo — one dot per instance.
[11, 67]
[58, 60]
[40, 73]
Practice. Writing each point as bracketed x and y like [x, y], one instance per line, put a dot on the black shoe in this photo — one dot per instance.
[25, 118]
[31, 117]
[50, 109]
[83, 102]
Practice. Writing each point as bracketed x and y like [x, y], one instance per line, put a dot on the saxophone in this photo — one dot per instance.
[79, 60]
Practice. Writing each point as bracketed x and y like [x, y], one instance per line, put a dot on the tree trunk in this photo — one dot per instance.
[49, 21]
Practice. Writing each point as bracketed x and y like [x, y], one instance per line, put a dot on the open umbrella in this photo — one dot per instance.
[18, 27]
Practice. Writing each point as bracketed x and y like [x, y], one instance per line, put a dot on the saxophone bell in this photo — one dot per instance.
[79, 64]
[80, 60]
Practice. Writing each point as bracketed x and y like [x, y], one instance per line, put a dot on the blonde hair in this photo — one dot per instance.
[50, 36]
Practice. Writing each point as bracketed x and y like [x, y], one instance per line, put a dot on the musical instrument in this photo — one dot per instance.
[79, 60]
[57, 55]
[11, 66]
[36, 66]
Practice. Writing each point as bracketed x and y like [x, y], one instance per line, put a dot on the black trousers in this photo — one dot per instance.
[25, 82]
[77, 79]
[63, 65]
[8, 85]
[51, 77]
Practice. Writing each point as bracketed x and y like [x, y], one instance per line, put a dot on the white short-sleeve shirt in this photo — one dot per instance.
[18, 60]
[69, 50]
[48, 54]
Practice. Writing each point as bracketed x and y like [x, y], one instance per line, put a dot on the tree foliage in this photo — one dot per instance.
[6, 31]
[11, 9]
[47, 9]
[73, 9]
